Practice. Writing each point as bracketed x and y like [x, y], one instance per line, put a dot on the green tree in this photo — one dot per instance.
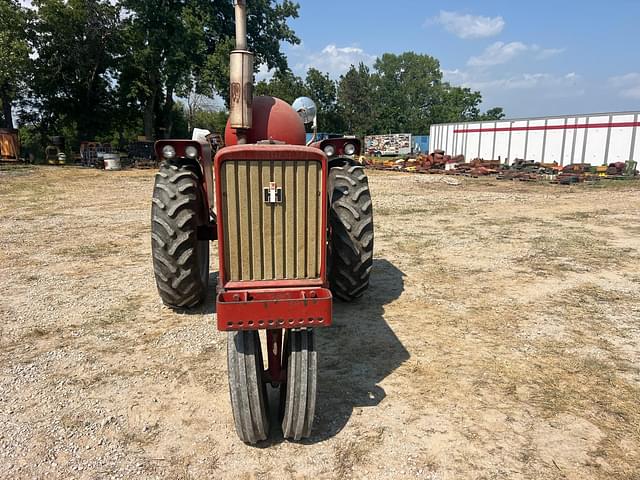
[357, 100]
[496, 113]
[283, 85]
[321, 89]
[407, 87]
[173, 44]
[458, 104]
[77, 43]
[14, 56]
[213, 120]
[406, 93]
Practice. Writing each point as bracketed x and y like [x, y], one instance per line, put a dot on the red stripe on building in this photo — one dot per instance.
[551, 127]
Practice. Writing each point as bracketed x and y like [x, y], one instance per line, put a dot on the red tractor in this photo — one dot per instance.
[294, 225]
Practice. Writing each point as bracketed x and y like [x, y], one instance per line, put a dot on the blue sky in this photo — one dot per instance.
[532, 58]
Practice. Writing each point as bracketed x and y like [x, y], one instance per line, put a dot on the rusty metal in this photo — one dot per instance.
[274, 357]
[9, 145]
[273, 309]
[241, 78]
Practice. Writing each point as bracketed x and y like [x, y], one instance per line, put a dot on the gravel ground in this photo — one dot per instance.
[499, 339]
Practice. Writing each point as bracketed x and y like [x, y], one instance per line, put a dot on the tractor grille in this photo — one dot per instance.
[271, 241]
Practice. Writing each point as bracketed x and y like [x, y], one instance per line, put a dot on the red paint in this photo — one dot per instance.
[274, 355]
[272, 119]
[338, 145]
[273, 309]
[552, 127]
[204, 159]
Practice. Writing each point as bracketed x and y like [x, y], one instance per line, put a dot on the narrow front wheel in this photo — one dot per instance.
[299, 392]
[247, 388]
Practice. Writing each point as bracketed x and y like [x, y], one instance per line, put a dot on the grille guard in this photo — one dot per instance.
[276, 153]
[273, 309]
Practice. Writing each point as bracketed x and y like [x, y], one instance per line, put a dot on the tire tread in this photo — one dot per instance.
[351, 219]
[176, 212]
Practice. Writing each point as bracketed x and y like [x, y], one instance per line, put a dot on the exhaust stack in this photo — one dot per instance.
[241, 72]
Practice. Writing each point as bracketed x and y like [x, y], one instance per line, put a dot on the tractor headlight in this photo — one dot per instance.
[169, 152]
[349, 149]
[191, 152]
[330, 150]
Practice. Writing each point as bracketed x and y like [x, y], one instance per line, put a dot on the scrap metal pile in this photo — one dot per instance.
[439, 162]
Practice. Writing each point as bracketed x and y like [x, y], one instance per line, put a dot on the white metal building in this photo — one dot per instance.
[597, 138]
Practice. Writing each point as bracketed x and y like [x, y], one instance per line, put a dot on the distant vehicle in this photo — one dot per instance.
[392, 144]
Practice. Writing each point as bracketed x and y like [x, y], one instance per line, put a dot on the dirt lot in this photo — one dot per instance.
[500, 339]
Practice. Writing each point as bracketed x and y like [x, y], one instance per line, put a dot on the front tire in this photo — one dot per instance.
[298, 394]
[248, 391]
[351, 219]
[180, 260]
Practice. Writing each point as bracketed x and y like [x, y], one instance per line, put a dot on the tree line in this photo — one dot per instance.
[114, 70]
[402, 93]
[100, 69]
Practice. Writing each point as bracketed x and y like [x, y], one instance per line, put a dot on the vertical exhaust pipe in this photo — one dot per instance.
[241, 73]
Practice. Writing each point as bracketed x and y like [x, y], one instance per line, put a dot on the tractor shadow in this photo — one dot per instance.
[208, 307]
[355, 355]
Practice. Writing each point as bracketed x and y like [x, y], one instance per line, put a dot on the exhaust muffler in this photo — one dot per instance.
[241, 73]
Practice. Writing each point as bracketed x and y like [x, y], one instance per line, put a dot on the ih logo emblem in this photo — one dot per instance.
[273, 194]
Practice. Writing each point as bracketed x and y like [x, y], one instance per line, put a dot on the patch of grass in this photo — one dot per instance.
[589, 293]
[586, 215]
[39, 332]
[404, 209]
[90, 250]
[570, 252]
[427, 462]
[15, 170]
[608, 184]
[142, 437]
[589, 387]
[353, 452]
[71, 422]
[31, 277]
[119, 316]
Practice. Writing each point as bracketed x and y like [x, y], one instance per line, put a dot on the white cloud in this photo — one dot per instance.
[545, 53]
[469, 26]
[500, 53]
[334, 60]
[628, 85]
[550, 84]
[497, 54]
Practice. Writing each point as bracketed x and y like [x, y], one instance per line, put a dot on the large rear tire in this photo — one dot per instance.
[180, 260]
[351, 219]
[248, 391]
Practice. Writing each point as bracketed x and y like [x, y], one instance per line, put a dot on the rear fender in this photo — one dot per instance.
[338, 144]
[204, 162]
